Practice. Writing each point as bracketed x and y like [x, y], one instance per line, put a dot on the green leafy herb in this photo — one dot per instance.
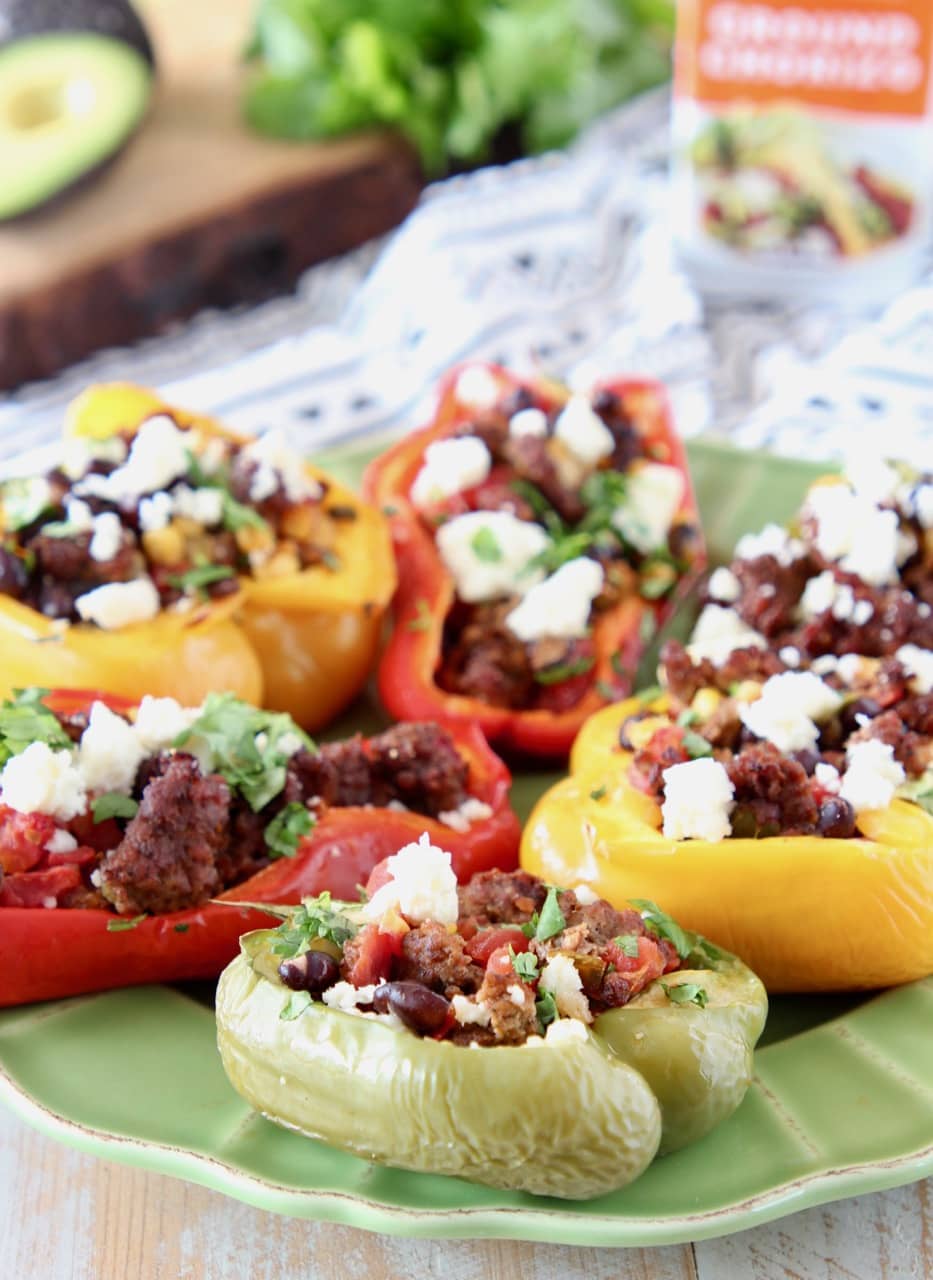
[598, 793]
[603, 493]
[563, 548]
[485, 545]
[562, 671]
[249, 747]
[422, 621]
[546, 1010]
[286, 829]
[696, 746]
[685, 993]
[649, 694]
[687, 718]
[24, 720]
[551, 919]
[200, 478]
[202, 575]
[122, 925]
[236, 515]
[315, 918]
[663, 926]
[627, 944]
[296, 1004]
[24, 499]
[525, 964]
[113, 805]
[182, 928]
[537, 501]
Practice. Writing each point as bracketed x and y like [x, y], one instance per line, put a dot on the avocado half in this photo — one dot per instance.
[75, 81]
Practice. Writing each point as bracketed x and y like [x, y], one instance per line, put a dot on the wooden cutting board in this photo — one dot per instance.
[197, 211]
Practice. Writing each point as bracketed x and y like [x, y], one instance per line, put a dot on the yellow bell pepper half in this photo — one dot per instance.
[302, 642]
[806, 913]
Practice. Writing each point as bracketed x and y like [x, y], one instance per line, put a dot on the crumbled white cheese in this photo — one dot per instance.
[477, 387]
[277, 463]
[288, 744]
[824, 664]
[919, 665]
[158, 455]
[61, 842]
[345, 997]
[585, 895]
[78, 515]
[78, 452]
[423, 886]
[773, 540]
[827, 777]
[922, 505]
[516, 994]
[561, 605]
[724, 586]
[119, 604]
[698, 801]
[907, 544]
[155, 512]
[528, 422]
[852, 530]
[563, 1031]
[204, 506]
[582, 431]
[107, 537]
[872, 775]
[476, 575]
[789, 709]
[823, 593]
[449, 467]
[871, 477]
[560, 977]
[110, 751]
[653, 496]
[463, 817]
[159, 721]
[853, 666]
[789, 655]
[718, 632]
[471, 1012]
[40, 780]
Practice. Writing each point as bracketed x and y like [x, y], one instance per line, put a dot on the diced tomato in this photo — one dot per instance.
[373, 952]
[80, 857]
[23, 837]
[35, 888]
[565, 694]
[641, 969]
[96, 835]
[379, 876]
[500, 961]
[481, 947]
[663, 749]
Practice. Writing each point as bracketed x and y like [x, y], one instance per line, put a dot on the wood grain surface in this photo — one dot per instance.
[197, 211]
[66, 1216]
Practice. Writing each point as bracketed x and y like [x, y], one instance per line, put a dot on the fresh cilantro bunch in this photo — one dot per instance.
[316, 918]
[452, 74]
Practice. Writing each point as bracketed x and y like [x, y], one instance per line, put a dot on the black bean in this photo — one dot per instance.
[837, 818]
[808, 758]
[851, 715]
[422, 1010]
[684, 541]
[607, 403]
[314, 971]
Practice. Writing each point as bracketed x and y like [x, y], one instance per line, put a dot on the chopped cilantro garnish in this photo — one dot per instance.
[536, 500]
[112, 804]
[296, 1004]
[182, 928]
[284, 832]
[662, 925]
[685, 993]
[200, 576]
[598, 792]
[562, 671]
[199, 477]
[696, 746]
[315, 918]
[627, 944]
[246, 745]
[525, 964]
[546, 1009]
[649, 694]
[485, 546]
[603, 493]
[24, 499]
[122, 925]
[687, 718]
[551, 919]
[24, 720]
[236, 515]
[422, 620]
[563, 548]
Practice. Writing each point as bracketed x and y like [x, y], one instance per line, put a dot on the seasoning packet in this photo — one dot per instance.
[803, 145]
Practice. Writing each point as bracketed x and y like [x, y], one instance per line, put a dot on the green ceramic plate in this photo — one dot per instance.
[842, 1101]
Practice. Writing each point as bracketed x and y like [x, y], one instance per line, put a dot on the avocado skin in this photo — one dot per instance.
[115, 18]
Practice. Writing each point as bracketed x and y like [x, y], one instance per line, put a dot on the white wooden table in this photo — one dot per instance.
[65, 1216]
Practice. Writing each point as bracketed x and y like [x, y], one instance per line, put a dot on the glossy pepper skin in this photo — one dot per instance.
[48, 954]
[302, 643]
[807, 913]
[574, 1118]
[407, 669]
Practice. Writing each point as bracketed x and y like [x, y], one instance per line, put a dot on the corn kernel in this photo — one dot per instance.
[705, 703]
[165, 546]
[640, 732]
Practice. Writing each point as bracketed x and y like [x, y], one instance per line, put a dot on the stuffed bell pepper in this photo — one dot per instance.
[506, 1031]
[777, 791]
[166, 555]
[541, 536]
[120, 825]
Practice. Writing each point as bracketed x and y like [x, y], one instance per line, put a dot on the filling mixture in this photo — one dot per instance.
[806, 693]
[126, 526]
[162, 810]
[545, 517]
[500, 960]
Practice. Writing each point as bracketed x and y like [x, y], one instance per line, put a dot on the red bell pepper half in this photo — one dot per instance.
[48, 953]
[407, 683]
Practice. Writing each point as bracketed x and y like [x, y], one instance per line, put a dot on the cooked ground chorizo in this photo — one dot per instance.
[511, 1005]
[418, 766]
[771, 592]
[772, 792]
[501, 897]
[486, 660]
[437, 959]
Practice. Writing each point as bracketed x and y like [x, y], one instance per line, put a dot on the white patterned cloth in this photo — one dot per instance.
[562, 263]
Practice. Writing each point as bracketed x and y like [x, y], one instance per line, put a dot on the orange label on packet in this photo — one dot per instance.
[803, 140]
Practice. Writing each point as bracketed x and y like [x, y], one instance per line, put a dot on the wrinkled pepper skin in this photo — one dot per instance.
[576, 1118]
[45, 955]
[407, 668]
[807, 913]
[303, 643]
